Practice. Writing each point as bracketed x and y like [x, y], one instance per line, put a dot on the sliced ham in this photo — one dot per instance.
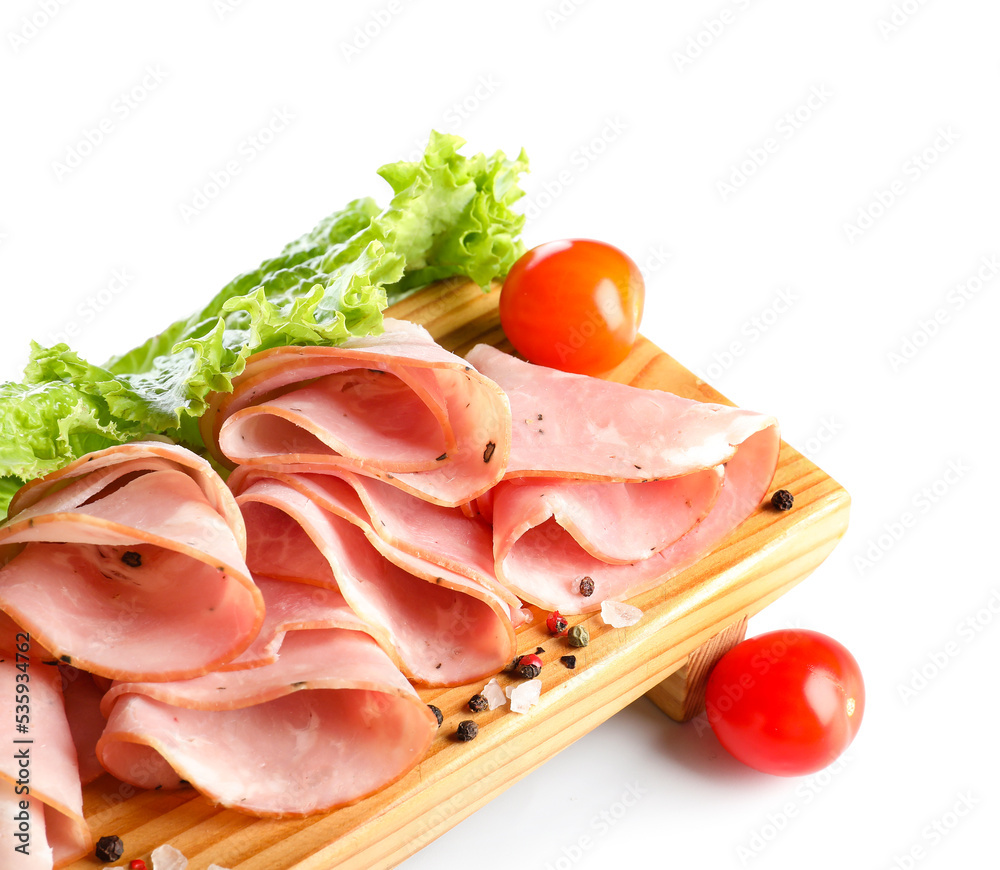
[38, 766]
[396, 406]
[623, 485]
[442, 622]
[443, 536]
[291, 606]
[129, 563]
[82, 696]
[39, 854]
[329, 722]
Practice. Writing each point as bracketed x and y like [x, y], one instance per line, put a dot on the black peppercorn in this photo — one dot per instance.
[109, 848]
[467, 730]
[132, 558]
[478, 703]
[437, 714]
[530, 666]
[512, 667]
[587, 587]
[569, 661]
[782, 500]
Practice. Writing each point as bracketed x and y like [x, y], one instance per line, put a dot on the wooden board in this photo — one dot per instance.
[762, 559]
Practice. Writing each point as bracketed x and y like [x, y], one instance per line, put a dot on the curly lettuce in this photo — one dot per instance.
[449, 215]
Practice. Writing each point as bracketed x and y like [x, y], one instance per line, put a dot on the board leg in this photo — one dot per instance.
[682, 695]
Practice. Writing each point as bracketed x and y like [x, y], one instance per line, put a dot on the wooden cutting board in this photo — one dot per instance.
[700, 611]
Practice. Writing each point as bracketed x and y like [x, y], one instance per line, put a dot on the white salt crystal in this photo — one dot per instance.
[618, 614]
[493, 694]
[524, 696]
[166, 857]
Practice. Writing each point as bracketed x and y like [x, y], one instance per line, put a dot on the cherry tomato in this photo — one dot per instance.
[786, 702]
[573, 305]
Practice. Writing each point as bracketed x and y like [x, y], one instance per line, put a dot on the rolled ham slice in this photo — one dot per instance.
[621, 485]
[39, 768]
[331, 721]
[443, 623]
[396, 406]
[129, 564]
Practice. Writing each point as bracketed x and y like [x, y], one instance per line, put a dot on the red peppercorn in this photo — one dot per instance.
[557, 624]
[137, 864]
[530, 666]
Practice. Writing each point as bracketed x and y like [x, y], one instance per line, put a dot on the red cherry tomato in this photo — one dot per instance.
[573, 305]
[786, 702]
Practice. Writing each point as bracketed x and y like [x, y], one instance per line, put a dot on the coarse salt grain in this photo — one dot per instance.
[494, 694]
[524, 696]
[166, 857]
[618, 614]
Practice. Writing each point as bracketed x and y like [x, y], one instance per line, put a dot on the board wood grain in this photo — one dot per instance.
[759, 561]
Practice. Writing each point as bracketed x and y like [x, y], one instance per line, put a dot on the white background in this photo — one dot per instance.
[845, 306]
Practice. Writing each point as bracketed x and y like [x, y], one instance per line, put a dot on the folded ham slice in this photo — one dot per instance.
[82, 693]
[429, 598]
[444, 536]
[331, 721]
[621, 485]
[129, 563]
[292, 607]
[41, 801]
[396, 406]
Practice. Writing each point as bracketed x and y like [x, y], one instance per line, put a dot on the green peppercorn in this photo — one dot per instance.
[579, 636]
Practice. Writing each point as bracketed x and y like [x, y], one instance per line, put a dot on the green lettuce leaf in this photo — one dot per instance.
[449, 215]
[44, 426]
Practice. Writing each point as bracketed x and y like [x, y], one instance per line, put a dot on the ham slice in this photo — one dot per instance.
[129, 563]
[12, 814]
[623, 485]
[396, 406]
[444, 621]
[329, 722]
[82, 698]
[38, 767]
[292, 607]
[444, 536]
